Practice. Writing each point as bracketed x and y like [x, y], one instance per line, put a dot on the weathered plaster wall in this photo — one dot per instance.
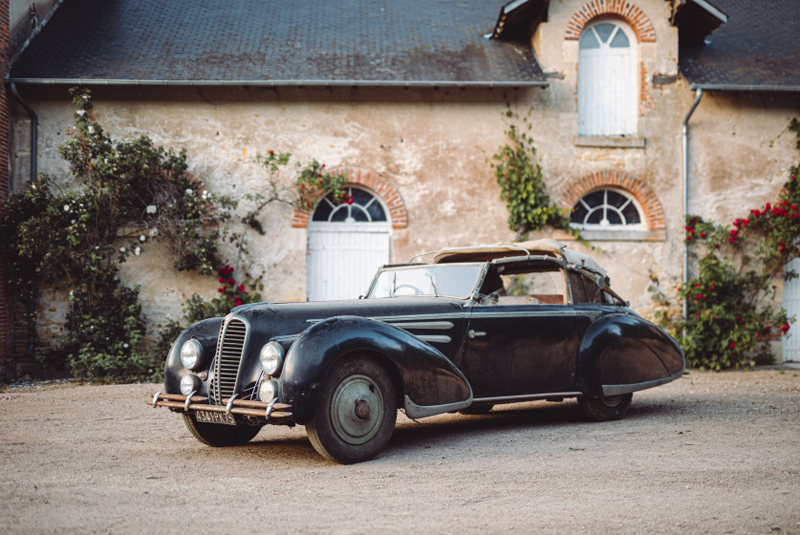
[431, 145]
[741, 151]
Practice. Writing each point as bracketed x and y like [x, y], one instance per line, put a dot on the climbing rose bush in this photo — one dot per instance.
[731, 313]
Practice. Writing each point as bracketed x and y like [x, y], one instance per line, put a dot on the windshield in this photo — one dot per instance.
[438, 280]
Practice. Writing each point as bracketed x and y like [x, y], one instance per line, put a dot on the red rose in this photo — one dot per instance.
[731, 345]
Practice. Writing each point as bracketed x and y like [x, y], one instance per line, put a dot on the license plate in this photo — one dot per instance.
[215, 417]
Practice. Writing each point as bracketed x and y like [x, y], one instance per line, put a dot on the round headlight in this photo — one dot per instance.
[268, 391]
[189, 383]
[271, 358]
[191, 354]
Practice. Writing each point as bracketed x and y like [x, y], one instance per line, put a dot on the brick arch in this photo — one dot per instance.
[653, 212]
[382, 187]
[621, 9]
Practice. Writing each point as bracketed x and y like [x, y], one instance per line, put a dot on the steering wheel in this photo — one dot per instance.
[414, 290]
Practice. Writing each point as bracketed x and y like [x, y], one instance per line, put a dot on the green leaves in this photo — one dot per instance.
[731, 315]
[125, 194]
[521, 184]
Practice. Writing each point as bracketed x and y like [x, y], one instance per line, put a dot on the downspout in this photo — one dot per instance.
[34, 174]
[685, 173]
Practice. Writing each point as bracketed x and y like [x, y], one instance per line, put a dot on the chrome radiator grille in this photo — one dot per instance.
[230, 348]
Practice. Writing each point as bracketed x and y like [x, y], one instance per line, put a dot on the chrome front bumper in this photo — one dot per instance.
[244, 407]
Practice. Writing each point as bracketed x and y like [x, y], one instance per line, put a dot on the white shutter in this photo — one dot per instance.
[791, 303]
[607, 83]
[343, 258]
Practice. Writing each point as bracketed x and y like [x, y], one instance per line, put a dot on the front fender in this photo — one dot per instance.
[622, 353]
[206, 332]
[430, 383]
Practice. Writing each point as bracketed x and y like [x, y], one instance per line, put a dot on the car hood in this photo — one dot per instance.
[278, 319]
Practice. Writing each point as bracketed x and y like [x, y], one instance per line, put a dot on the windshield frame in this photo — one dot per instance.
[405, 267]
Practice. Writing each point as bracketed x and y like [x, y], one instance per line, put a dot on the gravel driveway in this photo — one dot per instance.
[710, 453]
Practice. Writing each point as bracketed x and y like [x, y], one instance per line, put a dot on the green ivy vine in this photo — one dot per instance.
[522, 186]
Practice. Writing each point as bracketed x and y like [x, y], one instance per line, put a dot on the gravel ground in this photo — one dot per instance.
[710, 453]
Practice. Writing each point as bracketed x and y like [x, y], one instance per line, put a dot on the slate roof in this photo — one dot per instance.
[276, 42]
[758, 48]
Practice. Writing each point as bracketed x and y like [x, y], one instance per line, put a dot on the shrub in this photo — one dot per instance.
[731, 317]
[71, 240]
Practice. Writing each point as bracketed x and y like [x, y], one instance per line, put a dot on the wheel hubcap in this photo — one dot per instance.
[610, 401]
[356, 409]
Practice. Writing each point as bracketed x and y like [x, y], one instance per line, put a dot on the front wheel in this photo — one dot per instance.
[605, 408]
[355, 413]
[220, 435]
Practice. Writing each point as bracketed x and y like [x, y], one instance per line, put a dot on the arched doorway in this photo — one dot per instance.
[347, 243]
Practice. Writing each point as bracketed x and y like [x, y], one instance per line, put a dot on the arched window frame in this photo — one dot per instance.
[653, 224]
[371, 210]
[606, 208]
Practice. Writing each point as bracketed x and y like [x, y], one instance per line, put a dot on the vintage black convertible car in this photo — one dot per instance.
[474, 328]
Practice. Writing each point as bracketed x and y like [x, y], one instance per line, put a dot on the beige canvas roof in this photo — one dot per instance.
[483, 253]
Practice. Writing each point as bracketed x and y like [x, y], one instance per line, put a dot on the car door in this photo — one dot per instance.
[525, 343]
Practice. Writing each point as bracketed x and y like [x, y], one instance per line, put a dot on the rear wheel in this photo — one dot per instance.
[220, 435]
[355, 413]
[605, 408]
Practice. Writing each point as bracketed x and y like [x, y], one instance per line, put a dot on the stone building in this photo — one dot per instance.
[409, 97]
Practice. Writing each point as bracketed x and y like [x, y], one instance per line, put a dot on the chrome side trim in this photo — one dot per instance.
[616, 390]
[435, 338]
[415, 411]
[528, 397]
[430, 325]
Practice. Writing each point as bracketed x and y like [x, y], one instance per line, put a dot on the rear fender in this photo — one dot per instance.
[430, 383]
[622, 353]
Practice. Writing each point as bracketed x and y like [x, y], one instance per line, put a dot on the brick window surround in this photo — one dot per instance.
[641, 26]
[379, 185]
[649, 203]
[622, 9]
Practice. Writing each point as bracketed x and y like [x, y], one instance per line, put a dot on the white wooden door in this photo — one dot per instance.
[607, 83]
[343, 258]
[791, 303]
[348, 240]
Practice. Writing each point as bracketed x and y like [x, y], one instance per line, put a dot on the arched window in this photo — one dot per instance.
[607, 80]
[607, 208]
[361, 207]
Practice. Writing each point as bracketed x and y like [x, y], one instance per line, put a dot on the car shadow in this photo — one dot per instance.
[540, 416]
[418, 435]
